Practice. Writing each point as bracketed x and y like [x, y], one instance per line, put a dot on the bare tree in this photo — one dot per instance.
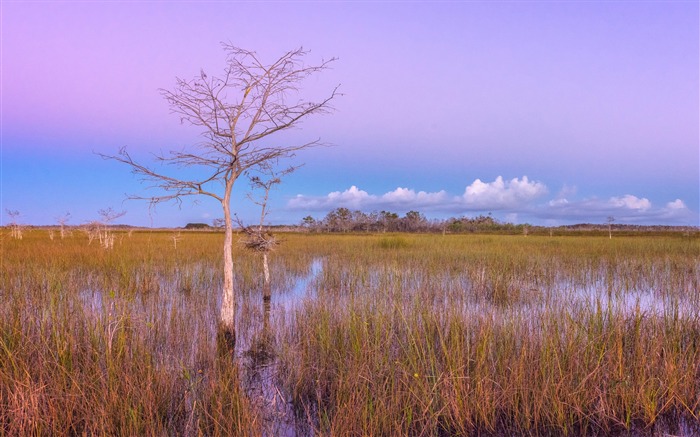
[104, 233]
[610, 220]
[218, 223]
[256, 238]
[260, 240]
[15, 227]
[176, 237]
[237, 112]
[62, 220]
[91, 230]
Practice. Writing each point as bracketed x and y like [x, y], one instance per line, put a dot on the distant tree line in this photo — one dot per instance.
[345, 220]
[198, 226]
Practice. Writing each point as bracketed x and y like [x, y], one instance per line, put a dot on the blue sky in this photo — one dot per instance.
[540, 112]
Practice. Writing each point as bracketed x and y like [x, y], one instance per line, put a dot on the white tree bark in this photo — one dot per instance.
[267, 290]
[227, 315]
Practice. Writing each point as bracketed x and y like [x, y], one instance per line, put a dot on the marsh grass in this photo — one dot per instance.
[393, 242]
[397, 335]
[490, 334]
[115, 342]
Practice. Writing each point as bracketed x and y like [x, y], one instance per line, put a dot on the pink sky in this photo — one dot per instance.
[593, 101]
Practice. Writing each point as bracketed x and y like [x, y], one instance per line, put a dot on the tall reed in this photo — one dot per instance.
[391, 335]
[115, 342]
[466, 335]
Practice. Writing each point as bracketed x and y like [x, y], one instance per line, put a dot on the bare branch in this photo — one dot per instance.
[109, 215]
[177, 187]
[238, 112]
[234, 127]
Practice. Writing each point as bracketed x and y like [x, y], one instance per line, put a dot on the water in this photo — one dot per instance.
[259, 322]
[646, 302]
[301, 289]
[259, 362]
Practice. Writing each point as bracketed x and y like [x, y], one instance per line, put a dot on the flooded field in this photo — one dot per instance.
[363, 335]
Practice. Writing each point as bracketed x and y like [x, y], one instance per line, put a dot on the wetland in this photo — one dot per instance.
[365, 334]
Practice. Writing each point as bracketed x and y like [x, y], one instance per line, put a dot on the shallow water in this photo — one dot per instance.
[302, 287]
[257, 353]
[259, 325]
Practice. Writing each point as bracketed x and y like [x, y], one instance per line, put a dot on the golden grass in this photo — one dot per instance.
[403, 335]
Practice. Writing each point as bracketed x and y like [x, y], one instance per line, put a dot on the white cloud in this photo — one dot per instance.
[303, 202]
[676, 205]
[563, 195]
[625, 209]
[352, 197]
[558, 202]
[515, 199]
[355, 198]
[501, 194]
[497, 195]
[676, 211]
[631, 202]
[408, 196]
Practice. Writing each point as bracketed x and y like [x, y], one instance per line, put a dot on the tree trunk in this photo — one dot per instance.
[267, 291]
[267, 306]
[226, 336]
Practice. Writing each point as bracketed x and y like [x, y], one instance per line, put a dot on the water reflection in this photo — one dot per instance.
[261, 381]
[187, 302]
[301, 288]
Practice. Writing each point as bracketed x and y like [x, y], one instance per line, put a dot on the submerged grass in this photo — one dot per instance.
[114, 342]
[503, 335]
[400, 335]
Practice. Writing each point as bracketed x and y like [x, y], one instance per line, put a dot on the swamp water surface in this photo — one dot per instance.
[257, 353]
[261, 323]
